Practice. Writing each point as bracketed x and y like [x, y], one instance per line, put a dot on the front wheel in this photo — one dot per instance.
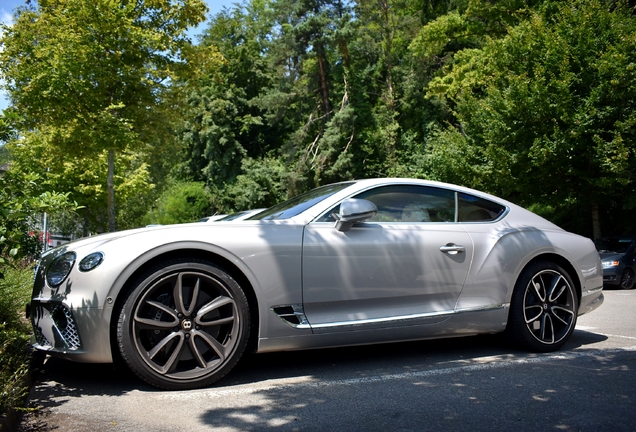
[183, 325]
[543, 309]
[627, 279]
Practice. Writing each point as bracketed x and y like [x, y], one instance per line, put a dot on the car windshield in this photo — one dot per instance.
[617, 245]
[234, 216]
[300, 203]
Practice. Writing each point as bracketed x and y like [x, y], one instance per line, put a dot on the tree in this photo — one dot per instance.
[94, 70]
[547, 114]
[22, 198]
[453, 25]
[223, 125]
[7, 129]
[83, 179]
[181, 202]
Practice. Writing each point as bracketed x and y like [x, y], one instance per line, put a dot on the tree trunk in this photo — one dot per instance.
[388, 55]
[85, 230]
[596, 222]
[110, 185]
[323, 80]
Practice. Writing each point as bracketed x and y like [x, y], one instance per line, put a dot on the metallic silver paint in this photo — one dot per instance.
[438, 294]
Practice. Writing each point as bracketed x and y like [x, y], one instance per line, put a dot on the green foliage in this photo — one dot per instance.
[284, 95]
[262, 184]
[181, 202]
[22, 199]
[84, 179]
[224, 123]
[92, 76]
[550, 104]
[308, 85]
[15, 291]
[469, 23]
[8, 120]
[13, 369]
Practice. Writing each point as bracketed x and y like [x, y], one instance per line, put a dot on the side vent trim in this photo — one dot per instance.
[293, 315]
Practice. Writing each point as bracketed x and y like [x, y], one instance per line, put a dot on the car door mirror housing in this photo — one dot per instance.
[354, 210]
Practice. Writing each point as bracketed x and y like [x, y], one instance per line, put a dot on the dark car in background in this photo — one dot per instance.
[617, 257]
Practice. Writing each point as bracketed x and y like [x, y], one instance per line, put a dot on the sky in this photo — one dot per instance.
[8, 6]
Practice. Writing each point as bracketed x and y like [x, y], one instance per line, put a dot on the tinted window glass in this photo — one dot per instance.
[233, 216]
[474, 209]
[407, 203]
[300, 203]
[615, 245]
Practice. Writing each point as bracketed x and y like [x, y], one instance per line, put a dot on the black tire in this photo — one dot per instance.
[183, 324]
[627, 279]
[543, 309]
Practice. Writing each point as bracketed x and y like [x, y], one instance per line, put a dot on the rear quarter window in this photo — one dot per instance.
[475, 209]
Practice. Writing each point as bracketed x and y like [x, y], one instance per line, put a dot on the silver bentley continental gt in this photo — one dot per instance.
[356, 262]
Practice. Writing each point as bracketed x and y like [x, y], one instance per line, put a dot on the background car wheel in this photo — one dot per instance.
[183, 325]
[543, 309]
[627, 279]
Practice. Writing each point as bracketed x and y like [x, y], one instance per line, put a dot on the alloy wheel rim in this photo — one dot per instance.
[185, 325]
[548, 307]
[628, 279]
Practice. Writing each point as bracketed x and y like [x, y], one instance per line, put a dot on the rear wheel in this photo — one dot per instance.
[627, 279]
[543, 309]
[183, 325]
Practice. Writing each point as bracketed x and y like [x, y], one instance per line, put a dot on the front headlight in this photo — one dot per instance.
[59, 269]
[610, 264]
[91, 261]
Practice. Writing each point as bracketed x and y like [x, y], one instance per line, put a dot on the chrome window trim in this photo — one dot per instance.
[455, 193]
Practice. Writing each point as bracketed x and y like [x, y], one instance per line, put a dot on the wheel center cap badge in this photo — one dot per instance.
[545, 306]
[186, 324]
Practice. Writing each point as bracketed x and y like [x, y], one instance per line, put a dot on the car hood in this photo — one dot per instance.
[100, 239]
[611, 256]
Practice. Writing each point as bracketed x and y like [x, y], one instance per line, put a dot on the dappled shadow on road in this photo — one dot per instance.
[461, 384]
[319, 384]
[373, 359]
[61, 378]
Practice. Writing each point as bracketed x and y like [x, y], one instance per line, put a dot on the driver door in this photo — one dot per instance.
[408, 262]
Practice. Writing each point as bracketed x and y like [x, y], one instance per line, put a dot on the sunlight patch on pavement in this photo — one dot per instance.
[308, 381]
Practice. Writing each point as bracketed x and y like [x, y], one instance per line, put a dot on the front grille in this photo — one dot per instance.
[40, 338]
[54, 327]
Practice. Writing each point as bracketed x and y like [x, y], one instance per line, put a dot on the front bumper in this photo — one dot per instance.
[590, 300]
[612, 276]
[73, 334]
[54, 327]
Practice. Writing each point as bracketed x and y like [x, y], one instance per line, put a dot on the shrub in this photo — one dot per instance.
[181, 202]
[15, 291]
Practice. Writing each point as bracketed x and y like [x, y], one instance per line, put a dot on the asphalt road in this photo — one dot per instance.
[468, 384]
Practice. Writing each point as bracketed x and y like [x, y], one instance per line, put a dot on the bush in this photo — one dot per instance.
[15, 331]
[181, 202]
[13, 369]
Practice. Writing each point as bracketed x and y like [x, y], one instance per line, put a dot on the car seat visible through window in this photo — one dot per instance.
[415, 213]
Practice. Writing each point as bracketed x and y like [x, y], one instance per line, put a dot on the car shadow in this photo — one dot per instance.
[60, 379]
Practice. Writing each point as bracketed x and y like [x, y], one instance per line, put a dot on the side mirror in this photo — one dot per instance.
[353, 210]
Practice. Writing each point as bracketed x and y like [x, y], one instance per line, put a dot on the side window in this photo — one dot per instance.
[474, 209]
[406, 203]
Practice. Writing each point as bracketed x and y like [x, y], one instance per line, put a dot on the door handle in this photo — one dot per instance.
[452, 249]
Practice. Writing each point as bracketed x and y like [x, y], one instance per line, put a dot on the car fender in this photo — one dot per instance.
[502, 256]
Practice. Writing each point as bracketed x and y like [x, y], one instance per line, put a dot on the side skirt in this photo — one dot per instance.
[464, 322]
